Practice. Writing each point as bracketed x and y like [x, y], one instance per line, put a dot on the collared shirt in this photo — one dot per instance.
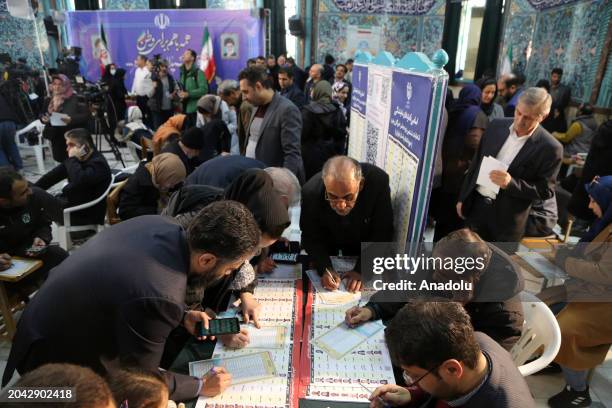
[463, 400]
[142, 85]
[508, 152]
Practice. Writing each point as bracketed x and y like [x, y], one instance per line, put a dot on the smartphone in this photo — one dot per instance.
[217, 327]
[83, 151]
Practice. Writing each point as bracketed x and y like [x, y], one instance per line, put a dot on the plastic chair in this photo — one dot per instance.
[64, 230]
[540, 330]
[38, 148]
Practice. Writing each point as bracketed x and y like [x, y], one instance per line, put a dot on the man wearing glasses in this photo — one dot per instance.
[347, 203]
[446, 363]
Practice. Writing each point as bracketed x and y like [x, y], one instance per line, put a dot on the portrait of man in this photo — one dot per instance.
[229, 45]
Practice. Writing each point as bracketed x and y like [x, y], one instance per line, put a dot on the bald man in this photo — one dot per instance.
[315, 75]
[342, 206]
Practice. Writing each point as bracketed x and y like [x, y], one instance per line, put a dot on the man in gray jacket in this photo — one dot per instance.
[275, 127]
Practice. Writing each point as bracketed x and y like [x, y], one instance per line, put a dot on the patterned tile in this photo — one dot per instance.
[127, 4]
[18, 38]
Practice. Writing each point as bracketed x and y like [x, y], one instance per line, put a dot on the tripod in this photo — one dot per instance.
[102, 130]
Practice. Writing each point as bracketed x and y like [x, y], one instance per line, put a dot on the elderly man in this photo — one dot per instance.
[533, 158]
[315, 75]
[346, 204]
[118, 298]
[275, 125]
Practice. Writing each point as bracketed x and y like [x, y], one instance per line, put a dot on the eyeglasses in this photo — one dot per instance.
[411, 383]
[348, 199]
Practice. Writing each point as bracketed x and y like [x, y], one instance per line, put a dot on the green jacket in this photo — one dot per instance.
[195, 87]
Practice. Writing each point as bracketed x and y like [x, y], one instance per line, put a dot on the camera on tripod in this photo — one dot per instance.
[156, 62]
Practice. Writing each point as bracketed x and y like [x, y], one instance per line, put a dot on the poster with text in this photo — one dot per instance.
[358, 112]
[377, 114]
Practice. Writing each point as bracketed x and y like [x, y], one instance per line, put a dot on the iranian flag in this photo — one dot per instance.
[207, 57]
[506, 67]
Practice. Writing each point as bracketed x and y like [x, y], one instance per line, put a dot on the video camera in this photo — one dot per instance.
[157, 61]
[68, 63]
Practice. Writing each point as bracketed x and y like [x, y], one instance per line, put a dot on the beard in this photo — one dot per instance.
[197, 285]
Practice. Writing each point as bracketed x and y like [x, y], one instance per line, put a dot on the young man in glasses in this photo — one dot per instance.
[346, 204]
[446, 363]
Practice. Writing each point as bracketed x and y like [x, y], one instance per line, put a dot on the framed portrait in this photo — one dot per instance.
[230, 46]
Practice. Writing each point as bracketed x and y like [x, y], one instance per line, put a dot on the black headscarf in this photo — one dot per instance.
[255, 189]
[487, 108]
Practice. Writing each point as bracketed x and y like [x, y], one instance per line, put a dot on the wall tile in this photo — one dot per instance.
[127, 4]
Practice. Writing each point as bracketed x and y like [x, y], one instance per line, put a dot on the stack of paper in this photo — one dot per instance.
[489, 164]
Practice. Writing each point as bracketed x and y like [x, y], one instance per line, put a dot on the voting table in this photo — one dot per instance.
[15, 279]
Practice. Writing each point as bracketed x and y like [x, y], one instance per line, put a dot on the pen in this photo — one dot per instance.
[380, 399]
[331, 276]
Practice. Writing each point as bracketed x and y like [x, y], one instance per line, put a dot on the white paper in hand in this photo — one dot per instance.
[486, 167]
[56, 119]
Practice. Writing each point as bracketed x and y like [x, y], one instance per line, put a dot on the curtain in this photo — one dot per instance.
[450, 36]
[488, 48]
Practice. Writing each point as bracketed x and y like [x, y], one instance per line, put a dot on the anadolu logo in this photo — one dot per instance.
[162, 21]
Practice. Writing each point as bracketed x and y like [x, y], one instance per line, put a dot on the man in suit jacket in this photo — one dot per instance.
[275, 127]
[118, 298]
[533, 157]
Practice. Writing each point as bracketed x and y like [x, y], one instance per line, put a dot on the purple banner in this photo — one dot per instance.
[360, 88]
[410, 102]
[236, 36]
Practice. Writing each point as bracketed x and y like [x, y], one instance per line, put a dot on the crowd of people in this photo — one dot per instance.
[220, 171]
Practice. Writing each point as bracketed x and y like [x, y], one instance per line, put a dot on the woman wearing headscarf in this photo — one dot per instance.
[63, 100]
[146, 191]
[493, 110]
[586, 320]
[340, 95]
[323, 129]
[466, 124]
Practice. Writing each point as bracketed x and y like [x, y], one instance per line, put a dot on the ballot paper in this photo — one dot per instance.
[549, 270]
[331, 297]
[19, 267]
[267, 337]
[489, 164]
[342, 339]
[56, 119]
[244, 369]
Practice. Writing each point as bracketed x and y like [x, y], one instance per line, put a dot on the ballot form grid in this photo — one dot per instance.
[282, 302]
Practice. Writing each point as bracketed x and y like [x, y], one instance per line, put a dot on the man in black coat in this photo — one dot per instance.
[533, 158]
[88, 177]
[289, 89]
[493, 303]
[187, 148]
[344, 205]
[24, 223]
[222, 170]
[446, 363]
[117, 299]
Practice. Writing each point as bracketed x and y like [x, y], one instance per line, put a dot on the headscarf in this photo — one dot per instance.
[461, 116]
[167, 170]
[66, 91]
[487, 108]
[322, 92]
[255, 189]
[336, 88]
[600, 189]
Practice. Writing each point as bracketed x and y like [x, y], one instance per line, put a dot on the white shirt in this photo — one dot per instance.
[142, 86]
[508, 152]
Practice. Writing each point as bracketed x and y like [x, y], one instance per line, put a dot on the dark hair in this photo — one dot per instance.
[463, 243]
[226, 229]
[260, 57]
[558, 71]
[329, 59]
[254, 75]
[343, 66]
[349, 61]
[586, 108]
[143, 57]
[291, 60]
[271, 56]
[543, 83]
[81, 136]
[8, 177]
[142, 389]
[193, 53]
[426, 334]
[482, 83]
[514, 80]
[250, 61]
[286, 71]
[90, 389]
[229, 40]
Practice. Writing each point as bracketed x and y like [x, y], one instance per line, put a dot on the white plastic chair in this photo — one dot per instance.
[38, 148]
[128, 170]
[540, 329]
[64, 230]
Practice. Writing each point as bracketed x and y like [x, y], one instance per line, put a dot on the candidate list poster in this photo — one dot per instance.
[408, 120]
[358, 112]
[377, 114]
